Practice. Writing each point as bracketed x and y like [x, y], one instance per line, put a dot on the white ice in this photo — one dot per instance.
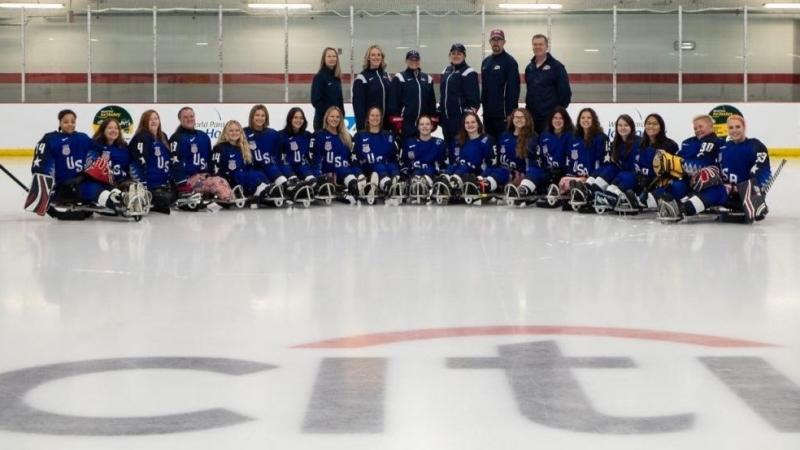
[251, 285]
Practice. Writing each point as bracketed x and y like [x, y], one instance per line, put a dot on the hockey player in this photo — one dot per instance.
[589, 146]
[459, 94]
[617, 172]
[376, 151]
[107, 180]
[232, 159]
[737, 181]
[264, 143]
[549, 165]
[372, 87]
[470, 153]
[193, 148]
[58, 161]
[697, 152]
[159, 169]
[423, 157]
[332, 153]
[412, 96]
[516, 146]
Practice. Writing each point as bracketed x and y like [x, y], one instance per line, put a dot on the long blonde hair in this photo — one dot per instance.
[341, 131]
[337, 71]
[366, 57]
[242, 144]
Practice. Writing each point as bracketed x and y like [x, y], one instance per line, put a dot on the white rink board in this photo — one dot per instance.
[775, 124]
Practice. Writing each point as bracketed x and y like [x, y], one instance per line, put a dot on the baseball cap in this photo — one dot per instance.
[412, 54]
[497, 34]
[458, 47]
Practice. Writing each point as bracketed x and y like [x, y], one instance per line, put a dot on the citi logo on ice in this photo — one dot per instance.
[349, 394]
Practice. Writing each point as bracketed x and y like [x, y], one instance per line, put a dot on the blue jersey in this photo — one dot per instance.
[584, 158]
[699, 152]
[333, 153]
[119, 160]
[507, 152]
[265, 145]
[555, 150]
[625, 159]
[193, 148]
[474, 154]
[744, 160]
[424, 157]
[61, 155]
[227, 162]
[295, 148]
[646, 152]
[157, 164]
[374, 148]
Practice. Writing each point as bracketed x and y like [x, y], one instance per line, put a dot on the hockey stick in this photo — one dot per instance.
[19, 182]
[774, 177]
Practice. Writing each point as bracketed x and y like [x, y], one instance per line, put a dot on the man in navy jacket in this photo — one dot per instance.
[499, 85]
[548, 84]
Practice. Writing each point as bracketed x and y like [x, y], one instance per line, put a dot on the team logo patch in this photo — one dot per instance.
[293, 146]
[65, 149]
[157, 151]
[497, 67]
[328, 146]
[574, 154]
[546, 67]
[366, 148]
[411, 154]
[231, 165]
[252, 145]
[194, 148]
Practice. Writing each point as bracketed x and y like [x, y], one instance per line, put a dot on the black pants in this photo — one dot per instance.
[494, 126]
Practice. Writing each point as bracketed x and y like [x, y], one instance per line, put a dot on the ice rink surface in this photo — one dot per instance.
[413, 327]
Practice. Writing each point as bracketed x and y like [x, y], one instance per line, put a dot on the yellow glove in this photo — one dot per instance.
[667, 164]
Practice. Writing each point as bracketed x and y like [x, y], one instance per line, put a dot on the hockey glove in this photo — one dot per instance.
[667, 164]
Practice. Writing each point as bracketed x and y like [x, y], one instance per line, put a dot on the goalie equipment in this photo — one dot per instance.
[706, 178]
[100, 171]
[753, 204]
[667, 164]
[39, 194]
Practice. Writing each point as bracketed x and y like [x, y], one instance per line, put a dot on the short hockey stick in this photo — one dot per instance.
[17, 179]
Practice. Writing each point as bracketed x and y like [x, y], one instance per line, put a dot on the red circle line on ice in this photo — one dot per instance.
[375, 339]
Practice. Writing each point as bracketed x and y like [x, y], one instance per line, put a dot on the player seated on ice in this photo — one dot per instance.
[232, 160]
[470, 152]
[376, 151]
[106, 186]
[548, 165]
[589, 145]
[696, 152]
[58, 162]
[516, 145]
[422, 159]
[264, 143]
[295, 145]
[333, 150]
[158, 168]
[617, 171]
[193, 148]
[737, 182]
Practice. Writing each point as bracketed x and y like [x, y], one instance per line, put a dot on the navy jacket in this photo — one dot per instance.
[326, 91]
[459, 91]
[370, 88]
[412, 95]
[548, 87]
[499, 85]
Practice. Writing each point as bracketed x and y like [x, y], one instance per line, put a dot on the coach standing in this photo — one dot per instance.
[499, 85]
[548, 84]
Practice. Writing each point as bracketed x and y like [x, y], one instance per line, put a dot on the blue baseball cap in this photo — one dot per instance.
[458, 47]
[412, 54]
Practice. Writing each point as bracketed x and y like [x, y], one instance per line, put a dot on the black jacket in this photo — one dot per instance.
[499, 85]
[548, 87]
[326, 91]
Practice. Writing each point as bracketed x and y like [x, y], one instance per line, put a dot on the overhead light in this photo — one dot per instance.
[32, 5]
[782, 5]
[685, 45]
[530, 6]
[279, 5]
[201, 44]
[473, 45]
[591, 50]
